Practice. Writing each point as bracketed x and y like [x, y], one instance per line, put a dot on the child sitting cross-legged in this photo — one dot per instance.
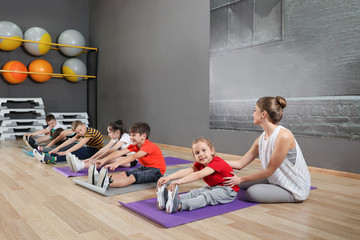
[148, 154]
[208, 167]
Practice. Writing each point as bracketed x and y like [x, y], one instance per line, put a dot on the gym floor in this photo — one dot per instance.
[37, 202]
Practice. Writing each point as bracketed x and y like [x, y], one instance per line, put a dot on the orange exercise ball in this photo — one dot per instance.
[15, 78]
[40, 66]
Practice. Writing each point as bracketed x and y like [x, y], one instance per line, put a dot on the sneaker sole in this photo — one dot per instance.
[73, 158]
[91, 174]
[102, 176]
[37, 155]
[160, 200]
[26, 142]
[171, 200]
[68, 160]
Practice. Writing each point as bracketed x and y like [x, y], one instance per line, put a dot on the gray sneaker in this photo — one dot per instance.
[173, 202]
[104, 180]
[161, 196]
[93, 175]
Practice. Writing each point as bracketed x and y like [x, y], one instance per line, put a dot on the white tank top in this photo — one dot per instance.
[293, 177]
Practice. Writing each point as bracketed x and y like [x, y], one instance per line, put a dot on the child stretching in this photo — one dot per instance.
[52, 125]
[208, 167]
[84, 135]
[120, 139]
[149, 156]
[58, 136]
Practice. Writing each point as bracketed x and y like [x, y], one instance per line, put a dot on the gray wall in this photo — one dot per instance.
[59, 95]
[154, 67]
[316, 67]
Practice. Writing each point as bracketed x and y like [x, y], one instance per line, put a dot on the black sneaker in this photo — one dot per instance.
[26, 141]
[32, 142]
[104, 180]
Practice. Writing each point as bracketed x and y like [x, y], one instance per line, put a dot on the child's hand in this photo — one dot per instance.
[173, 185]
[61, 153]
[54, 151]
[99, 163]
[231, 181]
[112, 166]
[162, 181]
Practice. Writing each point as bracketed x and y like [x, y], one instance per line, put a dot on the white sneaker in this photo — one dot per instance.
[104, 180]
[93, 175]
[38, 156]
[161, 196]
[77, 164]
[68, 160]
[173, 202]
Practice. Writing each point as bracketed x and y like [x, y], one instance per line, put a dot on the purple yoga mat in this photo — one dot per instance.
[148, 209]
[66, 171]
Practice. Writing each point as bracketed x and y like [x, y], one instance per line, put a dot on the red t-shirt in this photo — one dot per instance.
[222, 169]
[153, 158]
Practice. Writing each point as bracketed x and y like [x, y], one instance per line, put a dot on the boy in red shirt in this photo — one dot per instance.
[148, 154]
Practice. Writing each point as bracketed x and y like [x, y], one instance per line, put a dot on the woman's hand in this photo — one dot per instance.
[231, 181]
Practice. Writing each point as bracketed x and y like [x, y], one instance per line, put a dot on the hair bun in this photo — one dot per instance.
[281, 101]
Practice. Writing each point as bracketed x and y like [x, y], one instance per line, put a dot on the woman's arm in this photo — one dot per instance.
[247, 158]
[283, 144]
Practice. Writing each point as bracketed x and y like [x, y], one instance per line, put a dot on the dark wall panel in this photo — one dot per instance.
[58, 94]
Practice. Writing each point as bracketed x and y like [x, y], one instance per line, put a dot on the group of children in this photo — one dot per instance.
[284, 176]
[83, 147]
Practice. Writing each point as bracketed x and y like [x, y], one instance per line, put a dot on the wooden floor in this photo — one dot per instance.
[37, 202]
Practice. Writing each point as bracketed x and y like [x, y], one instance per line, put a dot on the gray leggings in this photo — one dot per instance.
[262, 191]
[206, 196]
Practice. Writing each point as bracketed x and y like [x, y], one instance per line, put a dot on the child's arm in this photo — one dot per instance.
[102, 151]
[38, 132]
[64, 144]
[63, 134]
[192, 177]
[176, 175]
[127, 159]
[112, 156]
[114, 148]
[75, 147]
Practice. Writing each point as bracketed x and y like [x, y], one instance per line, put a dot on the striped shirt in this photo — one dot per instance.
[96, 138]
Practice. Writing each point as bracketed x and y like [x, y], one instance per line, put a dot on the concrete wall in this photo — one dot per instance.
[154, 67]
[59, 95]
